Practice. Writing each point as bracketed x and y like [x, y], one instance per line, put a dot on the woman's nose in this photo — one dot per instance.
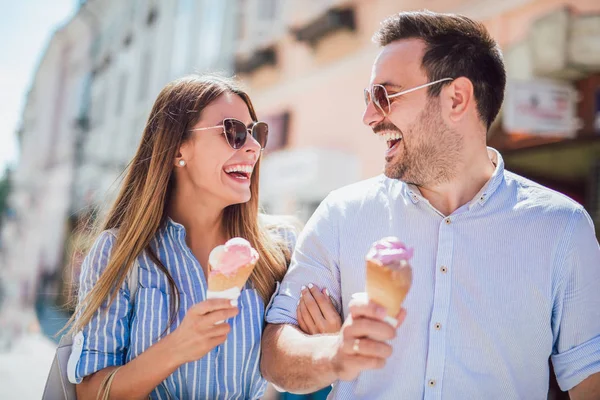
[252, 144]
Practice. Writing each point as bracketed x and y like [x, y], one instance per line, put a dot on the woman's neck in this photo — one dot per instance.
[202, 221]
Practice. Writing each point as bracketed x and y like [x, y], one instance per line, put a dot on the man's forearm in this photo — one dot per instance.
[588, 389]
[296, 362]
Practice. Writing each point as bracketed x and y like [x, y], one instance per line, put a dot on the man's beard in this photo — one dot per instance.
[433, 157]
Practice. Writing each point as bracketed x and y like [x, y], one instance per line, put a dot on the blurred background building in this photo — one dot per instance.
[305, 63]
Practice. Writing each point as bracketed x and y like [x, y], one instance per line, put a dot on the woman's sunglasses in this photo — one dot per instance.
[380, 97]
[236, 132]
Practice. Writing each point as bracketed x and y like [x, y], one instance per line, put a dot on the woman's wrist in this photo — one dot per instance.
[168, 346]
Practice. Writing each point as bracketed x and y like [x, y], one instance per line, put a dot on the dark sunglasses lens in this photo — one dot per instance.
[236, 133]
[260, 131]
[381, 99]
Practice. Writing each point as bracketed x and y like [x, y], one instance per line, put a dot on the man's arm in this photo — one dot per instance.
[588, 389]
[576, 314]
[303, 364]
[296, 362]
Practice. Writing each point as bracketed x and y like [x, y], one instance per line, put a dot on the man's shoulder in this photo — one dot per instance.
[539, 198]
[359, 192]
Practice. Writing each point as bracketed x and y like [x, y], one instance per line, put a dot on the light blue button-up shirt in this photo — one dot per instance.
[501, 285]
[119, 333]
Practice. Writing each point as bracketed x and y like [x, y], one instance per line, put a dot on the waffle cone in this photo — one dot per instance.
[388, 286]
[218, 282]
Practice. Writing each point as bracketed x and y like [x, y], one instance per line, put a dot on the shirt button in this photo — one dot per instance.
[79, 341]
[443, 269]
[431, 383]
[448, 221]
[438, 326]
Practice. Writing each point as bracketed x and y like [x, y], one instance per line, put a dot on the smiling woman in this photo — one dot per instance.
[192, 186]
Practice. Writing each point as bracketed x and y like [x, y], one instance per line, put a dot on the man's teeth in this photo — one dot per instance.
[239, 168]
[389, 136]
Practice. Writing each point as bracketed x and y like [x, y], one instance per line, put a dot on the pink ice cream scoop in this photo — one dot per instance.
[389, 251]
[227, 259]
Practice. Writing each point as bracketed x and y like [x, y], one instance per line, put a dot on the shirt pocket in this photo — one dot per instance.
[149, 320]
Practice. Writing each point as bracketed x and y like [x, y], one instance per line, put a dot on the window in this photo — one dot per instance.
[267, 9]
[121, 93]
[145, 75]
[98, 108]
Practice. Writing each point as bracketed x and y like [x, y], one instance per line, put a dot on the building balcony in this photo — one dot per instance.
[331, 21]
[259, 58]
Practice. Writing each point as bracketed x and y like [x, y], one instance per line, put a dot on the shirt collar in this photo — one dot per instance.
[414, 194]
[174, 227]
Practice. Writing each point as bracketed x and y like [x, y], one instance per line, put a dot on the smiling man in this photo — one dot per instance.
[505, 271]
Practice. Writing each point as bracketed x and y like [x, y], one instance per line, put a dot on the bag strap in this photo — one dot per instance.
[105, 386]
[132, 280]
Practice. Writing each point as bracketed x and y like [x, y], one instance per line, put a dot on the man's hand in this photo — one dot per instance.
[362, 340]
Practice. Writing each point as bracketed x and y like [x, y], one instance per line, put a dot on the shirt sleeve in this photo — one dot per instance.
[103, 342]
[315, 260]
[576, 320]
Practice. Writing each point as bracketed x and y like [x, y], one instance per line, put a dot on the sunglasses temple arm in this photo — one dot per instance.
[419, 87]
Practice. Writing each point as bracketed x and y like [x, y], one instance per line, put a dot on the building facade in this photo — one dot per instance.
[33, 236]
[83, 120]
[314, 68]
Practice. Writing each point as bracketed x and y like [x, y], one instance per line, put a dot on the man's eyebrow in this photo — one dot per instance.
[391, 85]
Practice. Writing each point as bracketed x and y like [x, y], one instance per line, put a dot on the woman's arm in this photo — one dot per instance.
[316, 313]
[198, 333]
[136, 379]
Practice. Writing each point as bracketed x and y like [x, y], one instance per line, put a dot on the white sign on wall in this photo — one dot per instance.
[542, 107]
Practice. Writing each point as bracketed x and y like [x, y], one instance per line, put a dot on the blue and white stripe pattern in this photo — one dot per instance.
[500, 286]
[115, 337]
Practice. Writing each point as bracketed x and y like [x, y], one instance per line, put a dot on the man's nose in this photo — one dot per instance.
[372, 115]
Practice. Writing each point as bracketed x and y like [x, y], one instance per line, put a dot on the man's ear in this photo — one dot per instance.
[458, 98]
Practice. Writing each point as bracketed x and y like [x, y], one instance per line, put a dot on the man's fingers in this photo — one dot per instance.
[401, 316]
[360, 362]
[360, 307]
[210, 305]
[371, 328]
[367, 347]
[325, 305]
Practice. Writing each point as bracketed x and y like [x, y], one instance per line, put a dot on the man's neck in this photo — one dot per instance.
[449, 196]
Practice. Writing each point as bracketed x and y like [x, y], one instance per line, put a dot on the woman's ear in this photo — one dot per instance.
[180, 159]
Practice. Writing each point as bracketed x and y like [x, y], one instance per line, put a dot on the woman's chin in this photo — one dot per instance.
[240, 199]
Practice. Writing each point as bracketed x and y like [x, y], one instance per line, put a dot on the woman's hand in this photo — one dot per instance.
[202, 329]
[316, 313]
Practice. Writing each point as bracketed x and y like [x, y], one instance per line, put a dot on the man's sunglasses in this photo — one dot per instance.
[380, 97]
[236, 132]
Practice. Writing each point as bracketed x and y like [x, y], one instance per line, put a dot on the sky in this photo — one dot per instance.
[26, 27]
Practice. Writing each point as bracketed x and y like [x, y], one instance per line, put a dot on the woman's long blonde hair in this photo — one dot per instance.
[141, 206]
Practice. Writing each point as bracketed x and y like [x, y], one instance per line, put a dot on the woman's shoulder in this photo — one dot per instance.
[282, 228]
[281, 225]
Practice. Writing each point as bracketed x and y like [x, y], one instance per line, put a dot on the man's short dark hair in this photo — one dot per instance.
[455, 46]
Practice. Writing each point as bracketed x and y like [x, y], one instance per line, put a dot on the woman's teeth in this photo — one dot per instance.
[239, 168]
[241, 171]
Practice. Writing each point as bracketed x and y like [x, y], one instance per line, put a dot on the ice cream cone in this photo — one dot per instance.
[218, 282]
[388, 286]
[230, 265]
[389, 275]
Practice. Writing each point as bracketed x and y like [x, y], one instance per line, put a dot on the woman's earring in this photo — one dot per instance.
[182, 163]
